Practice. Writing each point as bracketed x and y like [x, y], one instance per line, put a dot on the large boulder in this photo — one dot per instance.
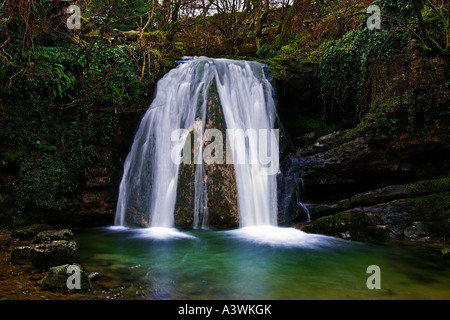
[44, 256]
[20, 255]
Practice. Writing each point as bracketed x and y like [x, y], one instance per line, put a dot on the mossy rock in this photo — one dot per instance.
[53, 235]
[57, 278]
[29, 232]
[351, 225]
[20, 255]
[434, 211]
[45, 256]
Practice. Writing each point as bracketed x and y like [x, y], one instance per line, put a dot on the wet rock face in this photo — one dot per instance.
[291, 192]
[218, 180]
[374, 187]
[416, 211]
[347, 161]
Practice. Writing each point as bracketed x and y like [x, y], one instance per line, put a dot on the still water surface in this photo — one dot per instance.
[255, 263]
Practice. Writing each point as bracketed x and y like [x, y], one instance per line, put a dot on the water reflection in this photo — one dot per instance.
[212, 264]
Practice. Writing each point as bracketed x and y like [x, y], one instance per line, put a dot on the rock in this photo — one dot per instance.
[29, 232]
[218, 179]
[48, 248]
[20, 255]
[290, 192]
[415, 230]
[346, 161]
[306, 139]
[94, 276]
[351, 225]
[44, 256]
[49, 236]
[382, 195]
[418, 218]
[57, 278]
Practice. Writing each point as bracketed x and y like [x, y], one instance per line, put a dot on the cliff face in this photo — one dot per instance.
[388, 176]
[377, 187]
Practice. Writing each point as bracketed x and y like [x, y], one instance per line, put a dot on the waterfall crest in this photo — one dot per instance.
[147, 192]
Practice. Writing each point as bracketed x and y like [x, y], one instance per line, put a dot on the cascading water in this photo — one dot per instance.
[147, 193]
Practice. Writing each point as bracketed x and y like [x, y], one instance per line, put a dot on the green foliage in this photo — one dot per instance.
[401, 9]
[60, 103]
[265, 52]
[418, 112]
[435, 211]
[347, 66]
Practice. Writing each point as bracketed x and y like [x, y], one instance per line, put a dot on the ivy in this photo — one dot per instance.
[59, 103]
[348, 65]
[419, 111]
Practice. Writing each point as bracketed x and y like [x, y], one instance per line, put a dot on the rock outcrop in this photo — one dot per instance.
[367, 186]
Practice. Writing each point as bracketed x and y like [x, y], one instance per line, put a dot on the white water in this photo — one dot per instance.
[149, 185]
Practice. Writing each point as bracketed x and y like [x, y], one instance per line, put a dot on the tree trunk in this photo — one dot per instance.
[285, 28]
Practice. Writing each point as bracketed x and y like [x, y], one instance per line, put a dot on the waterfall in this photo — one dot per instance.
[147, 192]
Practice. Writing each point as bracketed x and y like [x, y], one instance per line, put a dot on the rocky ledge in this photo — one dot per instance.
[363, 185]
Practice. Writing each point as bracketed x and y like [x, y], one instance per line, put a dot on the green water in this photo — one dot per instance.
[218, 264]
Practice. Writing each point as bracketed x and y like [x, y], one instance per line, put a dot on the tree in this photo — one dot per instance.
[286, 26]
[443, 50]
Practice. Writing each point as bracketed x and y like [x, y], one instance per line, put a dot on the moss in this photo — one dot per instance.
[11, 156]
[57, 278]
[442, 184]
[434, 211]
[352, 224]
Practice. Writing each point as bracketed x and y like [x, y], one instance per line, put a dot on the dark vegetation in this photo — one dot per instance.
[63, 92]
